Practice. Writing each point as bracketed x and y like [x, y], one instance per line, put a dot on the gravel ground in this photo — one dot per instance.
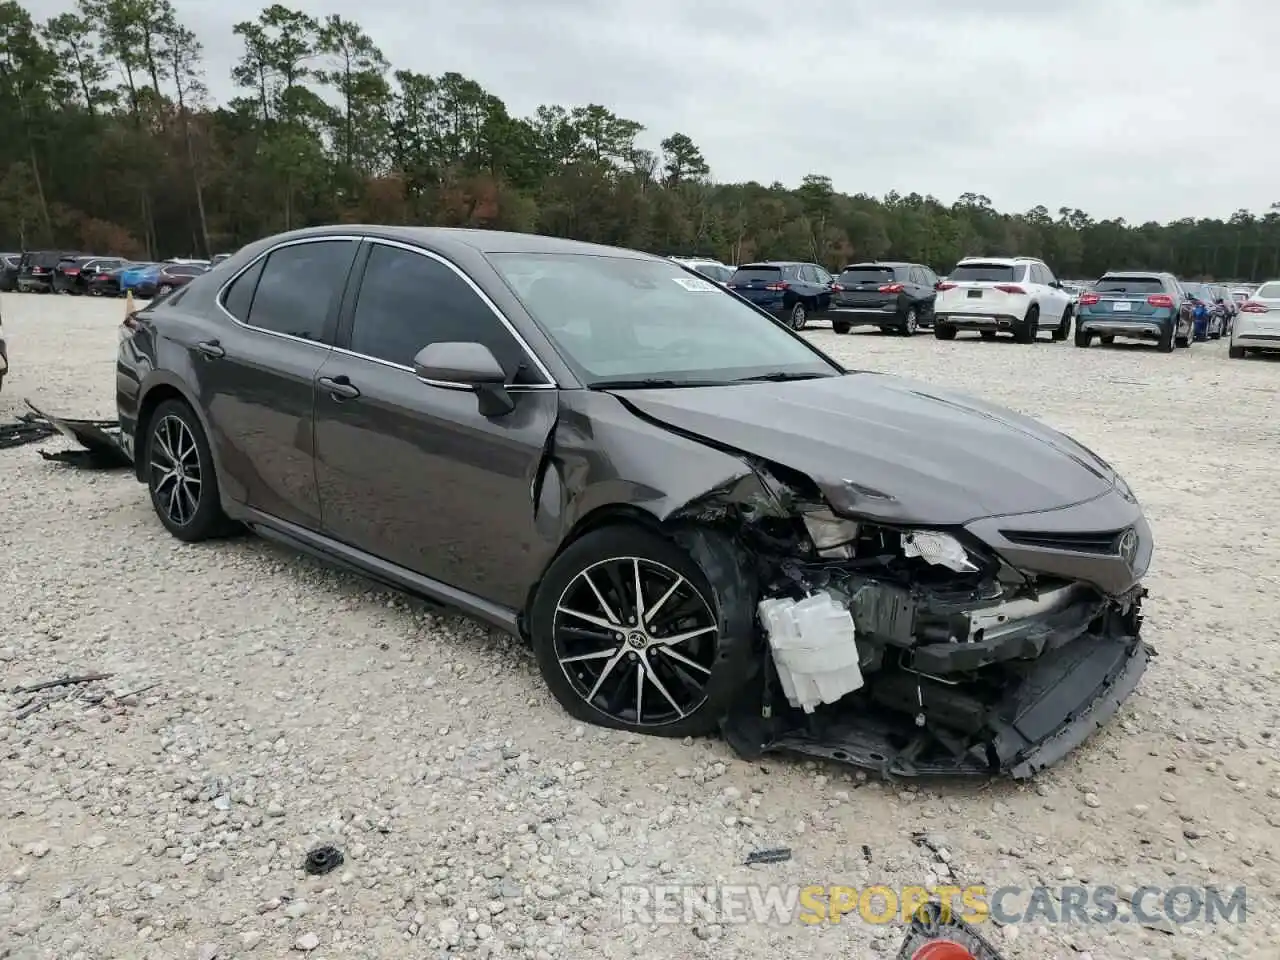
[294, 705]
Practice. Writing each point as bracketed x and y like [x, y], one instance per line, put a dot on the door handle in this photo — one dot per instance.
[339, 387]
[211, 349]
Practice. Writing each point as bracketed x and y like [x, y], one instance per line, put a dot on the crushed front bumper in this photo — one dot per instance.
[1037, 711]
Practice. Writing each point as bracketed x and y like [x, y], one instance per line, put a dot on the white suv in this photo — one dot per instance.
[1018, 295]
[711, 269]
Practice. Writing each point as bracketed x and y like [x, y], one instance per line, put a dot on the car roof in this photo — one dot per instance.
[445, 238]
[878, 263]
[772, 263]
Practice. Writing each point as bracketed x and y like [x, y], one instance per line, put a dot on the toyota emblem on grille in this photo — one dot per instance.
[1127, 546]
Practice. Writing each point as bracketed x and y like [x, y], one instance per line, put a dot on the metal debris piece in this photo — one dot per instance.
[61, 682]
[28, 428]
[100, 439]
[322, 860]
[777, 855]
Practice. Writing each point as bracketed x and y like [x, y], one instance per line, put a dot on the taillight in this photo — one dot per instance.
[1253, 306]
[777, 286]
[891, 288]
[1160, 300]
[1010, 288]
[72, 271]
[1089, 299]
[946, 286]
[102, 276]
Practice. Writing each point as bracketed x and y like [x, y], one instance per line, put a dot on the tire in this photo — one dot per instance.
[942, 331]
[839, 328]
[987, 334]
[1063, 330]
[1167, 340]
[799, 316]
[163, 289]
[580, 577]
[1235, 353]
[1029, 328]
[910, 323]
[1184, 341]
[1107, 339]
[1083, 337]
[166, 443]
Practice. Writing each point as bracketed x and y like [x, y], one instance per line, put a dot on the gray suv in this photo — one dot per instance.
[1137, 305]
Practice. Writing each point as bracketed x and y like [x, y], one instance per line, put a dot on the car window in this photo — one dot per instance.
[298, 287]
[808, 274]
[822, 275]
[985, 273]
[756, 273]
[1268, 291]
[854, 275]
[239, 296]
[408, 301]
[1048, 274]
[629, 318]
[1129, 284]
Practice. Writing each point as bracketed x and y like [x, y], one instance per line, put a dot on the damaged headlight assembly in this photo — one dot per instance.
[938, 548]
[833, 537]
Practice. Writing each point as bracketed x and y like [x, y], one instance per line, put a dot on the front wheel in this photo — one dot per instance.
[180, 474]
[799, 316]
[839, 328]
[629, 634]
[943, 331]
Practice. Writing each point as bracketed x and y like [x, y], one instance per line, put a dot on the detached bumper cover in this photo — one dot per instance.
[1047, 708]
[101, 438]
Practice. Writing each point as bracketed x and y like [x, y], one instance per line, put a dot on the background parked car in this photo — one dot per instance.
[1258, 326]
[72, 274]
[790, 290]
[711, 269]
[36, 267]
[1018, 295]
[9, 272]
[890, 295]
[131, 276]
[1137, 306]
[163, 278]
[1215, 313]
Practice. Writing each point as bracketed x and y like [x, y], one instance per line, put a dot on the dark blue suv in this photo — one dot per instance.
[790, 290]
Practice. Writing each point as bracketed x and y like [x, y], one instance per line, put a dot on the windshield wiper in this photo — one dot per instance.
[782, 377]
[653, 383]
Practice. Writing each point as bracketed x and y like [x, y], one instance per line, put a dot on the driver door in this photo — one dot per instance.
[413, 473]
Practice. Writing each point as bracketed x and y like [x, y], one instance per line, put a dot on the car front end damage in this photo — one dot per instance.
[992, 647]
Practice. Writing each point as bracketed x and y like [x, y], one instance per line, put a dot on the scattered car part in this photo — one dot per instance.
[937, 933]
[322, 860]
[774, 855]
[28, 428]
[100, 438]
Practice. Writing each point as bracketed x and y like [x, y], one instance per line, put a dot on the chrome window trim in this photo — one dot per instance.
[222, 290]
[550, 381]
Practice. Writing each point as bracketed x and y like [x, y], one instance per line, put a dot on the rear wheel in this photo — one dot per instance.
[911, 323]
[1083, 337]
[180, 474]
[1030, 326]
[1166, 340]
[1063, 330]
[1235, 353]
[987, 334]
[1107, 339]
[799, 316]
[627, 632]
[839, 328]
[944, 331]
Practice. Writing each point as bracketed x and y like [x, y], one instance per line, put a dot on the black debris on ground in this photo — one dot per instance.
[28, 428]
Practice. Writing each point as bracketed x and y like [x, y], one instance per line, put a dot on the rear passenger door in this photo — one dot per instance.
[255, 374]
[412, 472]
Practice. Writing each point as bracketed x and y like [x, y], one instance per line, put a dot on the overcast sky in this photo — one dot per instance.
[1143, 109]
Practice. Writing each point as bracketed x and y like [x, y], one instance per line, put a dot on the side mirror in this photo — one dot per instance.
[466, 366]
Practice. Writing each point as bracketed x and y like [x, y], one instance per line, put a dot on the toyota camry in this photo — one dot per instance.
[697, 519]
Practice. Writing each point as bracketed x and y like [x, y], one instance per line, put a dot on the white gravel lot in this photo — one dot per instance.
[296, 705]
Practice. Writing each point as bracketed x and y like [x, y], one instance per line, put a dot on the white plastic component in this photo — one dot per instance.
[813, 648]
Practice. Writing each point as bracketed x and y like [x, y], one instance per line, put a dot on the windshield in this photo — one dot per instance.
[621, 318]
[1129, 285]
[985, 273]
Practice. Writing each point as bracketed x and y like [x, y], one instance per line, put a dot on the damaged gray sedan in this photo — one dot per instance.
[696, 518]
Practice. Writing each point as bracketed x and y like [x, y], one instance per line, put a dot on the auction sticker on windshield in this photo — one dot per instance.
[694, 285]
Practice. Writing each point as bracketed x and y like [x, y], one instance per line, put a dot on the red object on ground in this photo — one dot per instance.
[942, 950]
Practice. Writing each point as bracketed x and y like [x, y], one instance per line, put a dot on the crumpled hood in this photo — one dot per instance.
[891, 449]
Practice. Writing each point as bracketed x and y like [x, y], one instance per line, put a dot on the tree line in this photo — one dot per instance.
[113, 144]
